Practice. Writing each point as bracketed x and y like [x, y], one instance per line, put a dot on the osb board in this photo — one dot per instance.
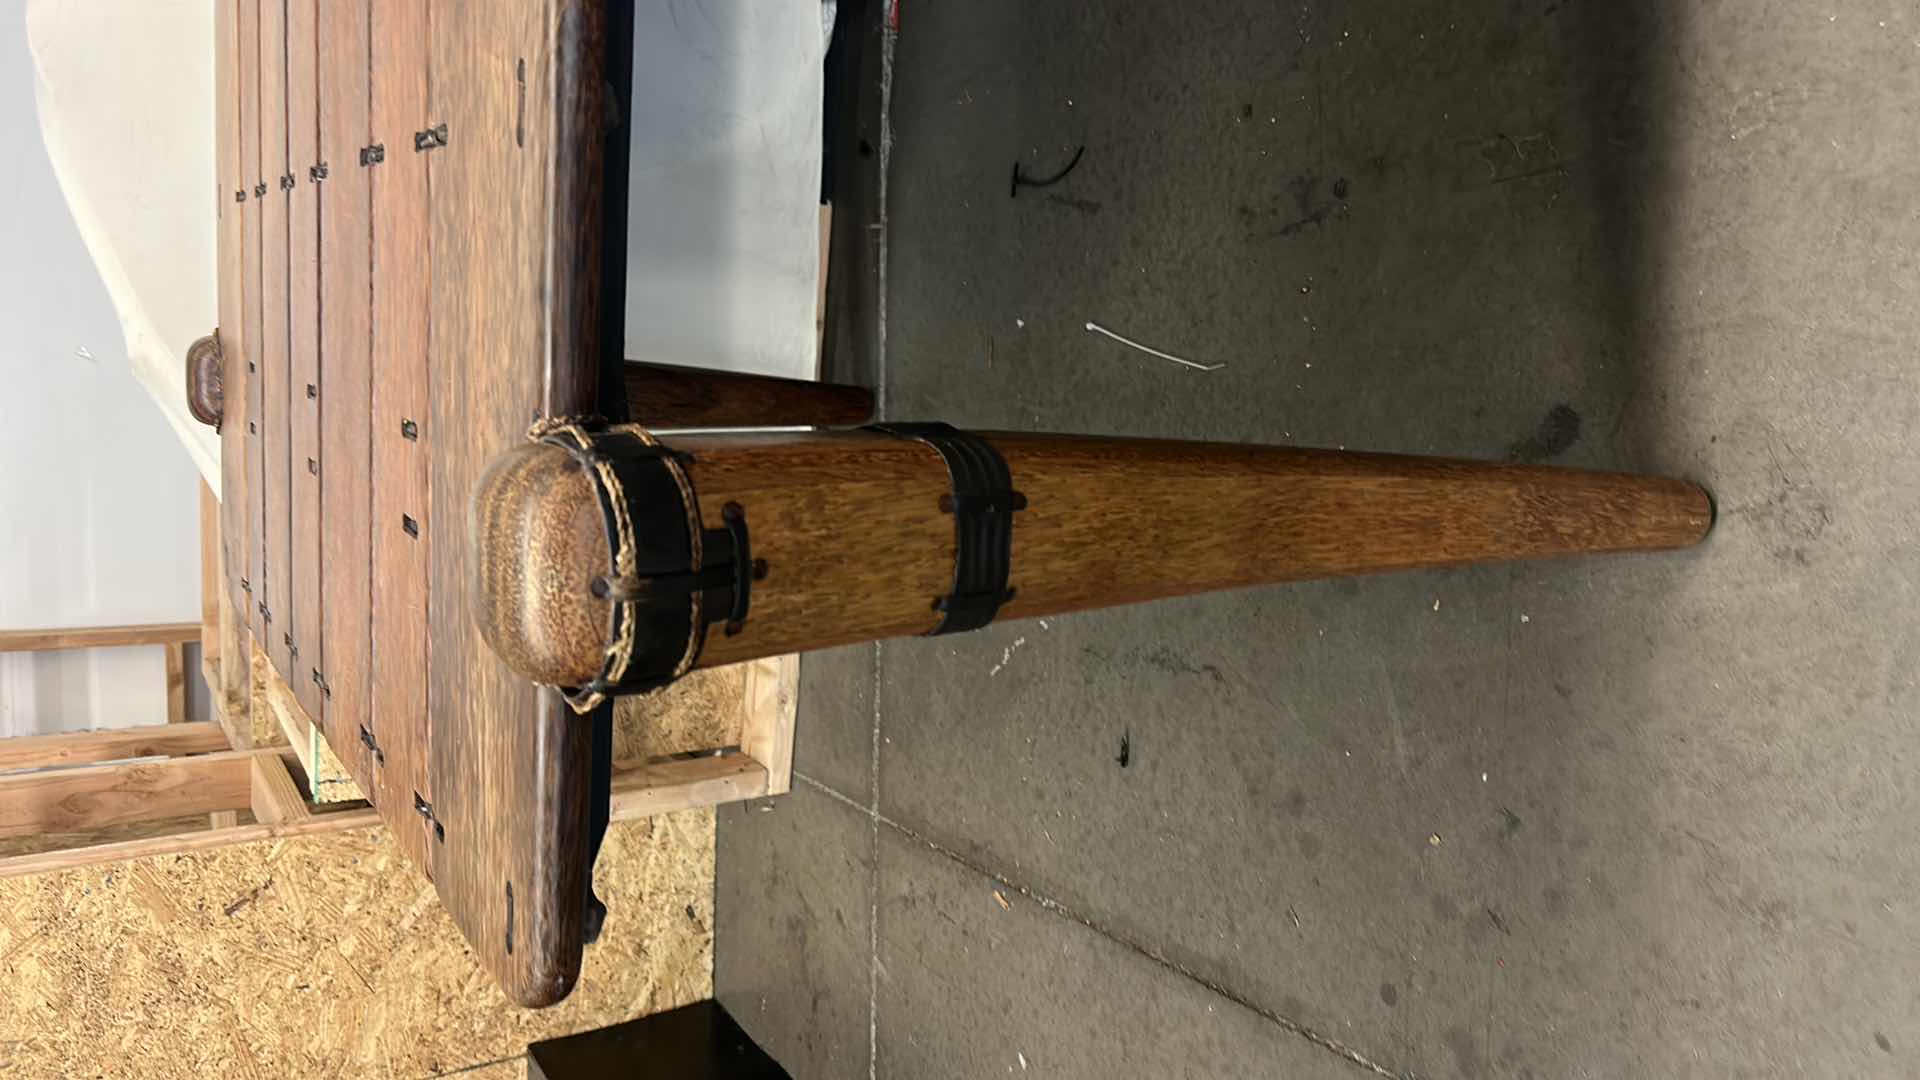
[701, 711]
[322, 956]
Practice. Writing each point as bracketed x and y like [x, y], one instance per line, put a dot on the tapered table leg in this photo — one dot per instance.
[812, 540]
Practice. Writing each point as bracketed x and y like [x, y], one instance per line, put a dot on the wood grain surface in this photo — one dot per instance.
[275, 359]
[668, 396]
[403, 524]
[655, 788]
[95, 637]
[346, 380]
[857, 546]
[303, 245]
[112, 744]
[802, 495]
[537, 525]
[213, 583]
[510, 764]
[96, 796]
[1118, 521]
[229, 198]
[274, 798]
[450, 291]
[229, 671]
[252, 340]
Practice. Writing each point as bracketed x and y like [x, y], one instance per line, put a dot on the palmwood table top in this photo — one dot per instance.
[408, 199]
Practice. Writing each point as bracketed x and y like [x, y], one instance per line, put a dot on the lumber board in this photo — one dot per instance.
[274, 798]
[663, 787]
[97, 637]
[96, 796]
[112, 744]
[768, 709]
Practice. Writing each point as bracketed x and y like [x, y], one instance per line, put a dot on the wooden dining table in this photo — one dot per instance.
[444, 532]
[411, 197]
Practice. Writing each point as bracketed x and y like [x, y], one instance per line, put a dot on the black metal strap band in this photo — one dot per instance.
[656, 594]
[983, 503]
[662, 558]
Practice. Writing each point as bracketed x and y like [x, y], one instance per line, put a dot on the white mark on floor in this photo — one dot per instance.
[1149, 350]
[1006, 656]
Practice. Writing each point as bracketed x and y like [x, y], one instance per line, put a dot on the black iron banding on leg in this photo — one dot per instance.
[983, 503]
[658, 596]
[653, 587]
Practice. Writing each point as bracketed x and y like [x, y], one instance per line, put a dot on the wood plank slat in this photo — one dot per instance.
[212, 579]
[252, 180]
[230, 675]
[176, 674]
[306, 652]
[403, 524]
[230, 196]
[510, 763]
[275, 362]
[664, 787]
[772, 699]
[95, 796]
[112, 744]
[96, 637]
[345, 388]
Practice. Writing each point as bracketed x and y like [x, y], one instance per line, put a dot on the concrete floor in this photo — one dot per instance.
[1640, 816]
